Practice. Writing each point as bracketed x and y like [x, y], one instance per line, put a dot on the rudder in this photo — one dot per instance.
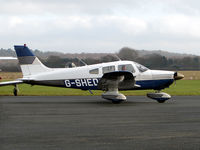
[29, 63]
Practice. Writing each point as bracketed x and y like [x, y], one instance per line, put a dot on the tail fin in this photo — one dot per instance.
[29, 63]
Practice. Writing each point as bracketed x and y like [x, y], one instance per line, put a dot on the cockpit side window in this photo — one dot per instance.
[108, 69]
[94, 71]
[126, 67]
[141, 68]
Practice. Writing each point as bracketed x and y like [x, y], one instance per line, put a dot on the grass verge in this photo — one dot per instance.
[182, 87]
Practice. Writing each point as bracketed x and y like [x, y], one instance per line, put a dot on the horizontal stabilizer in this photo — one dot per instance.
[10, 83]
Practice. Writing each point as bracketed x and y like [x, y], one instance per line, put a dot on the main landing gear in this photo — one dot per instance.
[15, 90]
[114, 96]
[159, 96]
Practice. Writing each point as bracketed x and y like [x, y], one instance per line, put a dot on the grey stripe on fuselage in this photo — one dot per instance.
[56, 83]
[88, 83]
[26, 60]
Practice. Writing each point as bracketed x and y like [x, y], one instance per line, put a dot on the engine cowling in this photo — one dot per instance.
[159, 96]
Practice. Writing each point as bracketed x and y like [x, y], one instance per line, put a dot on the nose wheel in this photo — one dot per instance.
[15, 90]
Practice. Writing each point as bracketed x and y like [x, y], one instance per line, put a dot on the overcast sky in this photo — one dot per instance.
[101, 25]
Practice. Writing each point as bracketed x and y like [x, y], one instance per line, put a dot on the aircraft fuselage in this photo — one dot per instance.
[83, 77]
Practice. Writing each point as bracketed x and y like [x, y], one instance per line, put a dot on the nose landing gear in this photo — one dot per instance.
[159, 96]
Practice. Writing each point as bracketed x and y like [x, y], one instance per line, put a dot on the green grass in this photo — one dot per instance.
[182, 87]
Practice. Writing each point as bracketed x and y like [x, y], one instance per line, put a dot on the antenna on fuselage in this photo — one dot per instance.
[117, 57]
[82, 61]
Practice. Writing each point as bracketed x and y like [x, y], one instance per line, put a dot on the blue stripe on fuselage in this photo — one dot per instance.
[154, 84]
[92, 84]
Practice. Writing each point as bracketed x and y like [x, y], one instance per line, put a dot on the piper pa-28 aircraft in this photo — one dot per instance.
[109, 77]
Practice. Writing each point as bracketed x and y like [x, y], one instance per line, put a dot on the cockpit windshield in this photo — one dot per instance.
[141, 68]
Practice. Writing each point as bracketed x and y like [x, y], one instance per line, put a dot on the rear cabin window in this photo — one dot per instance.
[94, 71]
[127, 67]
[108, 69]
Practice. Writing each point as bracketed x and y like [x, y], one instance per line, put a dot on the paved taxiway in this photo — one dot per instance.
[89, 122]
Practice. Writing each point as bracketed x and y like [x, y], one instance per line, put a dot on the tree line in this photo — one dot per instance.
[152, 61]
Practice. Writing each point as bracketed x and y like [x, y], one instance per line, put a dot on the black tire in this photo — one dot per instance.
[116, 102]
[15, 92]
[161, 101]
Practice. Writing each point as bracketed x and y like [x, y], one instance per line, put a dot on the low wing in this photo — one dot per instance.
[121, 80]
[11, 82]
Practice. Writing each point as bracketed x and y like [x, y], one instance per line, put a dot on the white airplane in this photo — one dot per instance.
[109, 77]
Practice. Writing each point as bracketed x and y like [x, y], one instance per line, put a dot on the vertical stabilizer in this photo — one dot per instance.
[29, 63]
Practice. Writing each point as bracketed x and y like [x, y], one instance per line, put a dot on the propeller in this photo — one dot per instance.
[178, 76]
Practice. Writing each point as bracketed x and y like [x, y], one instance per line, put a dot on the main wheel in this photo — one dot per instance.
[161, 101]
[15, 91]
